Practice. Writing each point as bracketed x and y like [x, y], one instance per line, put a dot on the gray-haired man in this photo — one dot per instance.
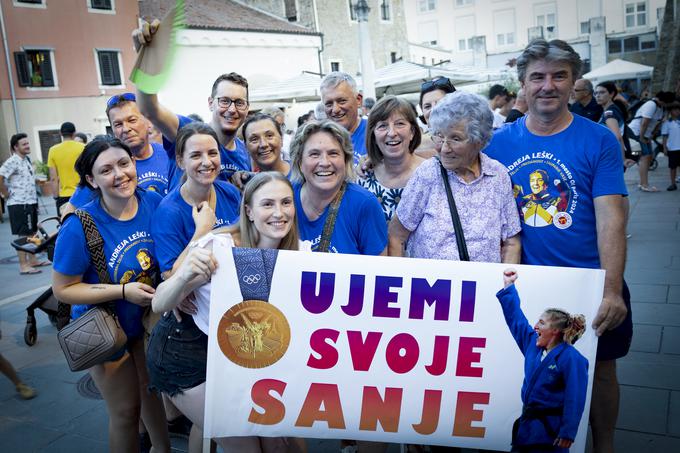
[342, 101]
[584, 170]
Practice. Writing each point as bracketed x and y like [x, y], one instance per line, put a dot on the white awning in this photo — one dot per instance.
[619, 70]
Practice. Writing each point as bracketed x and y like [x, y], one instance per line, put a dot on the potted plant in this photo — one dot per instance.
[42, 176]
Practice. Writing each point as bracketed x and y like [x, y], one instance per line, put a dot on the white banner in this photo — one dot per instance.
[379, 348]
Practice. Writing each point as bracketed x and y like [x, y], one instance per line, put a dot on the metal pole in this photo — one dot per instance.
[9, 71]
[366, 51]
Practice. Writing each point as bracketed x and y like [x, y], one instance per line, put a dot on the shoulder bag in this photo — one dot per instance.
[457, 227]
[96, 335]
[329, 225]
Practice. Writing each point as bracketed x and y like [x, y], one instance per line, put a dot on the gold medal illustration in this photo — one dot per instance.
[253, 334]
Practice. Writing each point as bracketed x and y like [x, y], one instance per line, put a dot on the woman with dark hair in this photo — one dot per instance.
[201, 194]
[263, 137]
[431, 92]
[267, 221]
[122, 215]
[613, 115]
[392, 137]
[327, 200]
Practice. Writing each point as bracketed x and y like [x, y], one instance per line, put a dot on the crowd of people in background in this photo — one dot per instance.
[359, 177]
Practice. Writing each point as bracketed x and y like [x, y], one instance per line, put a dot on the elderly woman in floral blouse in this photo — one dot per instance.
[461, 126]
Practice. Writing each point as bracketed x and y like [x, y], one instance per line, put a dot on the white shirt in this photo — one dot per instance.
[671, 129]
[20, 180]
[202, 294]
[648, 110]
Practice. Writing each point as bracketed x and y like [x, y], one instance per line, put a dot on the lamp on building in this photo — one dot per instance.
[367, 70]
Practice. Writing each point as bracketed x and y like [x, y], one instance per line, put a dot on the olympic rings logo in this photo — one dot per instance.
[251, 279]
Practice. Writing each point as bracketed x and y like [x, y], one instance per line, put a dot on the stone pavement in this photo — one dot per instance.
[61, 420]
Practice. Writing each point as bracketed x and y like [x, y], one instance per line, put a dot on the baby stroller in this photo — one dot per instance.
[59, 314]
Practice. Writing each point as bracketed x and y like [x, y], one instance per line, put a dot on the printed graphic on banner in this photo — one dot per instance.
[401, 350]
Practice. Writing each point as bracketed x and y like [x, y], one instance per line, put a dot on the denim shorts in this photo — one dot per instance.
[615, 343]
[177, 354]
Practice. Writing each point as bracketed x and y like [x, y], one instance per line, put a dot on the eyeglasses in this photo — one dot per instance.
[113, 100]
[438, 141]
[442, 83]
[225, 103]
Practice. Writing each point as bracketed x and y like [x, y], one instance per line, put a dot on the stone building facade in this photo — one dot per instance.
[336, 21]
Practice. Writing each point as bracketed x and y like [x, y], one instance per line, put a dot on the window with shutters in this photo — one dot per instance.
[30, 3]
[34, 68]
[109, 68]
[100, 5]
[48, 138]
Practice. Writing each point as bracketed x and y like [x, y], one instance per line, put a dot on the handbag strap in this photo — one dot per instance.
[95, 245]
[457, 227]
[329, 225]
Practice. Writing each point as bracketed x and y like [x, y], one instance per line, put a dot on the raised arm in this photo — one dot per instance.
[163, 118]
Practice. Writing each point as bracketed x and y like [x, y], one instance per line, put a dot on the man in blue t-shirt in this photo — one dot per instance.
[228, 103]
[342, 100]
[567, 176]
[132, 128]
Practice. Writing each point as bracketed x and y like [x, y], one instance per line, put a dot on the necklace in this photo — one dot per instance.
[184, 191]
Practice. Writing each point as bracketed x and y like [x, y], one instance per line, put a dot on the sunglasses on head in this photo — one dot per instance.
[442, 83]
[113, 100]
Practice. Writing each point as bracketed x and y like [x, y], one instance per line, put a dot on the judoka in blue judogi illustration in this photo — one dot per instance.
[555, 374]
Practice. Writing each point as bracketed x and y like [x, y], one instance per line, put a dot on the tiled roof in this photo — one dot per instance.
[223, 15]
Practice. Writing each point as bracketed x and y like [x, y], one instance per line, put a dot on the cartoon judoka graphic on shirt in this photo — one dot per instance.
[555, 374]
[148, 274]
[540, 206]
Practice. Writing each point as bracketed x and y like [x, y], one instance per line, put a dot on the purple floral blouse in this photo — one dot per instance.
[486, 208]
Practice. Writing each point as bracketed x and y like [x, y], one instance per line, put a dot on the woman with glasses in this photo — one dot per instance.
[461, 125]
[392, 137]
[431, 92]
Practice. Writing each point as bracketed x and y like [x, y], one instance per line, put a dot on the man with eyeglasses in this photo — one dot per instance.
[585, 104]
[228, 103]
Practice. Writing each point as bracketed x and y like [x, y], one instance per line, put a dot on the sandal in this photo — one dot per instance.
[41, 263]
[648, 188]
[30, 271]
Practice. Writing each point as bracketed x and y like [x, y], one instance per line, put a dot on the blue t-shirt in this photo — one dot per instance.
[360, 226]
[128, 250]
[173, 225]
[555, 179]
[152, 172]
[359, 140]
[82, 196]
[231, 161]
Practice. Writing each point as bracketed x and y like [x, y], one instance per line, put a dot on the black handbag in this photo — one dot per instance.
[97, 335]
[457, 227]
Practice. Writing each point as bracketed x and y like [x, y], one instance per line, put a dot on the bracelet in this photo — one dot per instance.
[124, 290]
